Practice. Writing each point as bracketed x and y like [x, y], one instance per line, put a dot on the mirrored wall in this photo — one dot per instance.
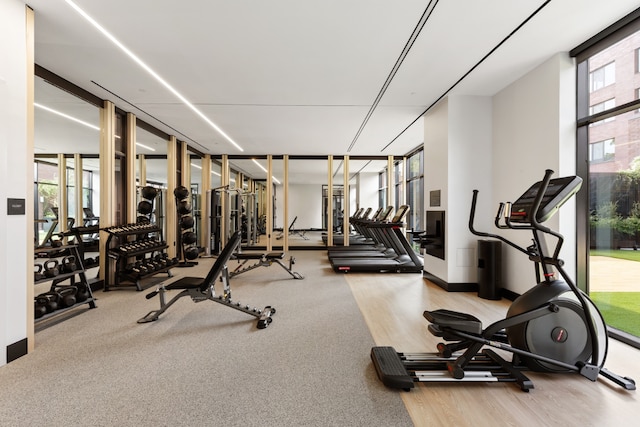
[66, 165]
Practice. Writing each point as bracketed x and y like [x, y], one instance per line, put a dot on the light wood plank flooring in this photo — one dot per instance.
[392, 305]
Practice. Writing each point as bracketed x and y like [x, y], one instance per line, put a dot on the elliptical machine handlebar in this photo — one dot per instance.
[501, 212]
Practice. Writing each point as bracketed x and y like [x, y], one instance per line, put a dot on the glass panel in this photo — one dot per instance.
[382, 186]
[614, 187]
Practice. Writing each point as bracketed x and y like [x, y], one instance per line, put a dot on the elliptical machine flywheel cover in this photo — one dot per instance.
[562, 335]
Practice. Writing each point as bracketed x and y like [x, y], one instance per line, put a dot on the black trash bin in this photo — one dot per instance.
[489, 269]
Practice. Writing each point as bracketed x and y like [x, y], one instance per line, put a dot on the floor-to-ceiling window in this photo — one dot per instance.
[415, 188]
[609, 161]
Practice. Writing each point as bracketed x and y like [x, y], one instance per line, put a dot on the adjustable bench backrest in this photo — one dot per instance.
[221, 262]
[293, 223]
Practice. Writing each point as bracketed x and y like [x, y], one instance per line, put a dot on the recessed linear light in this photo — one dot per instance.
[200, 167]
[151, 71]
[66, 116]
[145, 146]
[264, 169]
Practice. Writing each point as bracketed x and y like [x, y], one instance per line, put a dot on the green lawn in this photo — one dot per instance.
[616, 253]
[620, 310]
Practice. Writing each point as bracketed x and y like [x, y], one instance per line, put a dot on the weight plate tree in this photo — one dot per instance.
[187, 238]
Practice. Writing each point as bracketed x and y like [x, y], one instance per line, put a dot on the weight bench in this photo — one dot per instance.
[200, 289]
[263, 260]
[292, 230]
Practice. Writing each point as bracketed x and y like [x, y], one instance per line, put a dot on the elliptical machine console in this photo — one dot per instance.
[553, 327]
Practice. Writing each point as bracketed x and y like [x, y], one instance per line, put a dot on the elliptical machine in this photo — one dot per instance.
[553, 327]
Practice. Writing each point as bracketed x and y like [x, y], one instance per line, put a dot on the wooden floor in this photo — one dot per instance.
[392, 305]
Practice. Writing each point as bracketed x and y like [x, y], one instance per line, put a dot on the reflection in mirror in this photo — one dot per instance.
[363, 189]
[214, 201]
[216, 173]
[195, 164]
[151, 169]
[277, 168]
[305, 223]
[336, 207]
[368, 189]
[63, 124]
[246, 205]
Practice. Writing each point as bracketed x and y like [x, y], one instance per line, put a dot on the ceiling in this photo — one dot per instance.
[297, 77]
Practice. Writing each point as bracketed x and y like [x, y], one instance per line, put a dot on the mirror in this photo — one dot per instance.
[195, 166]
[305, 223]
[151, 169]
[64, 124]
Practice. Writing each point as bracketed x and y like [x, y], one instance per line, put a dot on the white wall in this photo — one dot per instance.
[369, 190]
[305, 202]
[501, 146]
[436, 170]
[534, 130]
[457, 161]
[469, 166]
[14, 158]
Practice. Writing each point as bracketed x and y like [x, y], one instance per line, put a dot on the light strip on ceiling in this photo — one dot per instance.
[66, 116]
[145, 146]
[200, 167]
[151, 71]
[264, 169]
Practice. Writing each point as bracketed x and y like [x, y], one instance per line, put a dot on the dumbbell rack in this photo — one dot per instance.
[136, 252]
[52, 253]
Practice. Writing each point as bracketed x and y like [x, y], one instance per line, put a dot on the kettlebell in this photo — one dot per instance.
[83, 293]
[49, 300]
[40, 308]
[67, 295]
[69, 264]
[51, 268]
[37, 273]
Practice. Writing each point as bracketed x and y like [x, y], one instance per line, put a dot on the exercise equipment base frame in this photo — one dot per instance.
[263, 260]
[190, 287]
[403, 370]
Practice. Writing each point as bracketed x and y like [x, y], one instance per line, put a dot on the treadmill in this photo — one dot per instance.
[385, 247]
[354, 239]
[406, 260]
[368, 240]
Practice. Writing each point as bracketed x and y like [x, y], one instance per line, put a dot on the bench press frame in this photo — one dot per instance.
[262, 260]
[200, 289]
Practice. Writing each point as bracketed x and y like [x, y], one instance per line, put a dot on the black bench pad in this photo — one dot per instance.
[270, 255]
[186, 283]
